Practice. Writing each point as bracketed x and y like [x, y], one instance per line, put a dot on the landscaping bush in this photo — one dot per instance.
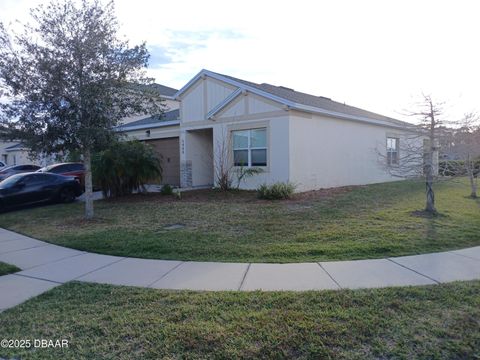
[456, 168]
[166, 190]
[277, 191]
[125, 167]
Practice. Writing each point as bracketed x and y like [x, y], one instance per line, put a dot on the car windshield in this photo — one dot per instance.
[10, 181]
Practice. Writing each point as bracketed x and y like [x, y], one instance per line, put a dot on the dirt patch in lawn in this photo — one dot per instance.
[320, 194]
[204, 195]
[86, 222]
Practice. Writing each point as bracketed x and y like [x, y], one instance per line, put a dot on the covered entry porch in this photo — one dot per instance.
[196, 158]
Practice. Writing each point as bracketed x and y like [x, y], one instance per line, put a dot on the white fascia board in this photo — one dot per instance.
[123, 128]
[224, 103]
[187, 85]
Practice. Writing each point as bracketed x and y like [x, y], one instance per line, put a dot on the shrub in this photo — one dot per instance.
[166, 190]
[125, 167]
[457, 167]
[277, 191]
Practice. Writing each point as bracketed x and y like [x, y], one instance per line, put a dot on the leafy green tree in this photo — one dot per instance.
[68, 79]
[124, 167]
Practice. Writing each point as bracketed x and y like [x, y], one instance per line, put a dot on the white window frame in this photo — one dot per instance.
[249, 148]
[396, 152]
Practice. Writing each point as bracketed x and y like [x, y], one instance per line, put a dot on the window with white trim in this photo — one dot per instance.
[250, 147]
[392, 151]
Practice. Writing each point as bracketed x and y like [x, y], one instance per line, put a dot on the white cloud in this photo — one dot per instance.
[378, 55]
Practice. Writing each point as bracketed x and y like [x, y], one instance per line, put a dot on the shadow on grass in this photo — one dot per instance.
[15, 208]
[428, 215]
[431, 224]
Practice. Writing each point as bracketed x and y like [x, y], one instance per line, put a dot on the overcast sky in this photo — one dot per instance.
[377, 55]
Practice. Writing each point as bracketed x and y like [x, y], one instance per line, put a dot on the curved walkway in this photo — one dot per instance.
[45, 266]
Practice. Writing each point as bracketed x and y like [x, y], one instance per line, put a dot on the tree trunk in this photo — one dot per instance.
[430, 204]
[87, 159]
[473, 183]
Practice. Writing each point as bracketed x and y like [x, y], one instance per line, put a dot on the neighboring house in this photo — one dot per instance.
[14, 153]
[166, 94]
[308, 140]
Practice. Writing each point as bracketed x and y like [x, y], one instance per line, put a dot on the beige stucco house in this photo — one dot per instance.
[15, 153]
[308, 140]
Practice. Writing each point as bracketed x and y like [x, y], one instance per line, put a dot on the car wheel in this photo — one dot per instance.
[66, 195]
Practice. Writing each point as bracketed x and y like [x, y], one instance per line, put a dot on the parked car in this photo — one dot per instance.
[16, 169]
[2, 165]
[77, 170]
[37, 187]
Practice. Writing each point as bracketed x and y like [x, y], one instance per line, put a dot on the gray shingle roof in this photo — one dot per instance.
[315, 101]
[164, 90]
[154, 120]
[161, 90]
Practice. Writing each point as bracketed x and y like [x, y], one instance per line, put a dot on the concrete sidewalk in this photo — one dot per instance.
[45, 266]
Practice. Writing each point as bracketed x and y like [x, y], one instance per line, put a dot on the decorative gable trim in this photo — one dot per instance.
[234, 83]
[224, 103]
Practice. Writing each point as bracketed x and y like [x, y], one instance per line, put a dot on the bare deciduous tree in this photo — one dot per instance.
[417, 152]
[222, 161]
[225, 170]
[430, 114]
[465, 146]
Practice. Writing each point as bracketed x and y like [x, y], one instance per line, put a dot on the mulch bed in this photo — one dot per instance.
[213, 195]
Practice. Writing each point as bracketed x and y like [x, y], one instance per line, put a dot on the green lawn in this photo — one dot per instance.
[7, 268]
[350, 223]
[108, 322]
